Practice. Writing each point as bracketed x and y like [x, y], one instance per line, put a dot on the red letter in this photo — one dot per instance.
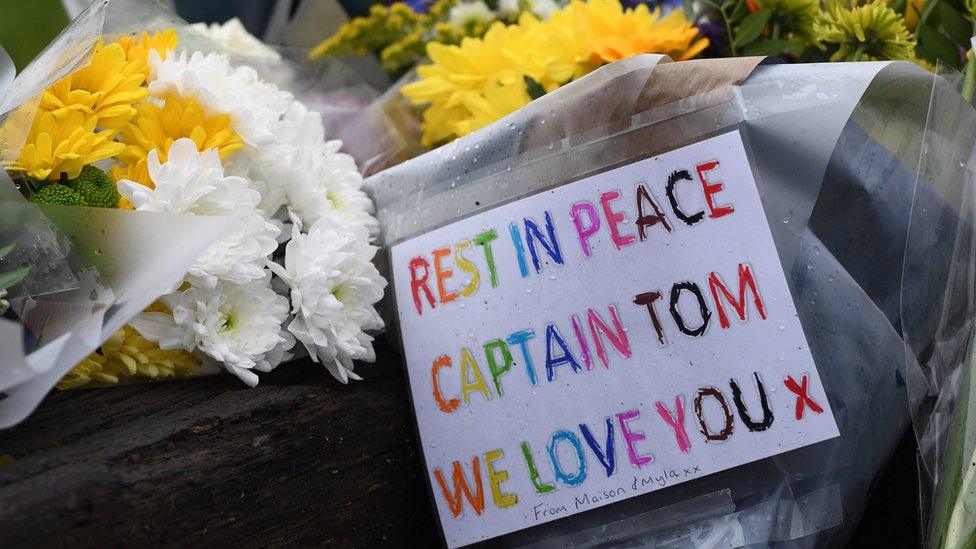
[448, 406]
[712, 189]
[802, 398]
[420, 283]
[443, 274]
[461, 487]
[614, 219]
[745, 280]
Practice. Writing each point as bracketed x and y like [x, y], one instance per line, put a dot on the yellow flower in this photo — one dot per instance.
[156, 128]
[63, 145]
[913, 9]
[137, 173]
[108, 87]
[137, 48]
[612, 33]
[864, 33]
[472, 84]
[127, 354]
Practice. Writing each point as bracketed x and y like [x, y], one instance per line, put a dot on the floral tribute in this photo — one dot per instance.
[145, 128]
[479, 60]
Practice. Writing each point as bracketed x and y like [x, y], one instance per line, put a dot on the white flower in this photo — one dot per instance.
[466, 14]
[543, 9]
[239, 326]
[194, 182]
[233, 36]
[255, 106]
[540, 8]
[334, 286]
[509, 8]
[319, 181]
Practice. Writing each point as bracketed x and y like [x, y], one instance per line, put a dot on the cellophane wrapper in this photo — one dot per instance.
[938, 312]
[836, 150]
[93, 269]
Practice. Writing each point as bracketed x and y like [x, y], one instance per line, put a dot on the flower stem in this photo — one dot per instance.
[776, 31]
[969, 83]
[858, 53]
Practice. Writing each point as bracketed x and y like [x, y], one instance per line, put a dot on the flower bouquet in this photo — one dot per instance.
[179, 211]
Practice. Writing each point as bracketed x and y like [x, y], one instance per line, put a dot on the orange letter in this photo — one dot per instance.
[448, 406]
[443, 274]
[454, 502]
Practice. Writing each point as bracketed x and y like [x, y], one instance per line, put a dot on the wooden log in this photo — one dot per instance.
[299, 459]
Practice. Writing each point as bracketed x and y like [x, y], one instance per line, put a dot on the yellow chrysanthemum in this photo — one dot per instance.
[63, 144]
[109, 87]
[865, 33]
[137, 48]
[125, 355]
[156, 127]
[612, 33]
[137, 173]
[474, 83]
[478, 81]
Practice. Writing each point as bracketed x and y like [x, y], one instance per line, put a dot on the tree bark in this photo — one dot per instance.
[299, 459]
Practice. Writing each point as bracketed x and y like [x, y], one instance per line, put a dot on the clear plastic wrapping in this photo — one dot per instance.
[938, 315]
[835, 149]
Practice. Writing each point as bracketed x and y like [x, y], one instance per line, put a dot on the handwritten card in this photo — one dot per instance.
[576, 347]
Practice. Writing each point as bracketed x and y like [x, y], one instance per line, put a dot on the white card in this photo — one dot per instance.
[536, 331]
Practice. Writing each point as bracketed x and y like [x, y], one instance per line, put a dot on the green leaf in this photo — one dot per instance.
[795, 47]
[534, 88]
[7, 249]
[767, 46]
[954, 25]
[934, 46]
[8, 279]
[751, 27]
[740, 11]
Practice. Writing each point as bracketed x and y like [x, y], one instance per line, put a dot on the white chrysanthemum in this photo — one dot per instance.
[319, 180]
[334, 287]
[465, 14]
[255, 106]
[543, 9]
[238, 325]
[233, 36]
[194, 182]
[540, 8]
